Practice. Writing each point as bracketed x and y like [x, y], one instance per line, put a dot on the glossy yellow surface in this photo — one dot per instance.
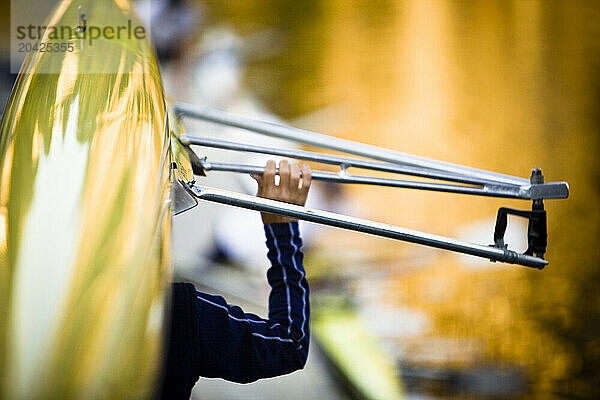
[84, 218]
[180, 156]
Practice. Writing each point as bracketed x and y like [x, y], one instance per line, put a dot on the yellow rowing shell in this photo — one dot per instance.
[85, 158]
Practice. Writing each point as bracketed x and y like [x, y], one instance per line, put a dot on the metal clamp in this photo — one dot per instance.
[537, 235]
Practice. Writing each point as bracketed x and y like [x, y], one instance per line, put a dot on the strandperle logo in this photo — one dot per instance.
[82, 31]
[47, 29]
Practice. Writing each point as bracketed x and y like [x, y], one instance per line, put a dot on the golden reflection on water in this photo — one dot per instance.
[500, 85]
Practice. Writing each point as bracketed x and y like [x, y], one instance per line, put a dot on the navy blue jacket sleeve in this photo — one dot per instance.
[243, 347]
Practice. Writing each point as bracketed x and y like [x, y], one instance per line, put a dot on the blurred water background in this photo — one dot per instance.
[499, 85]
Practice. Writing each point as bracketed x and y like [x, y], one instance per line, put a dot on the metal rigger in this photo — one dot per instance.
[462, 180]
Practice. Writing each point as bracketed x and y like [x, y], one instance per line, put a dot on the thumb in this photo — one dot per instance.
[259, 180]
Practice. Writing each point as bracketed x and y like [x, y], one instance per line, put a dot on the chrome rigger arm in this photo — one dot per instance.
[439, 176]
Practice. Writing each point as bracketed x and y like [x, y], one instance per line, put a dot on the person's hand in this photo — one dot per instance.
[291, 189]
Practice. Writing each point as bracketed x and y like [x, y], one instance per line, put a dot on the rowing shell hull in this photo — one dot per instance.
[84, 218]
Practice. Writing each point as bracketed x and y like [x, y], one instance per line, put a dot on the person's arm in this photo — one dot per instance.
[243, 347]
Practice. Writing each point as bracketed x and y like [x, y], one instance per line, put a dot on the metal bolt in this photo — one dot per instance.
[536, 176]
